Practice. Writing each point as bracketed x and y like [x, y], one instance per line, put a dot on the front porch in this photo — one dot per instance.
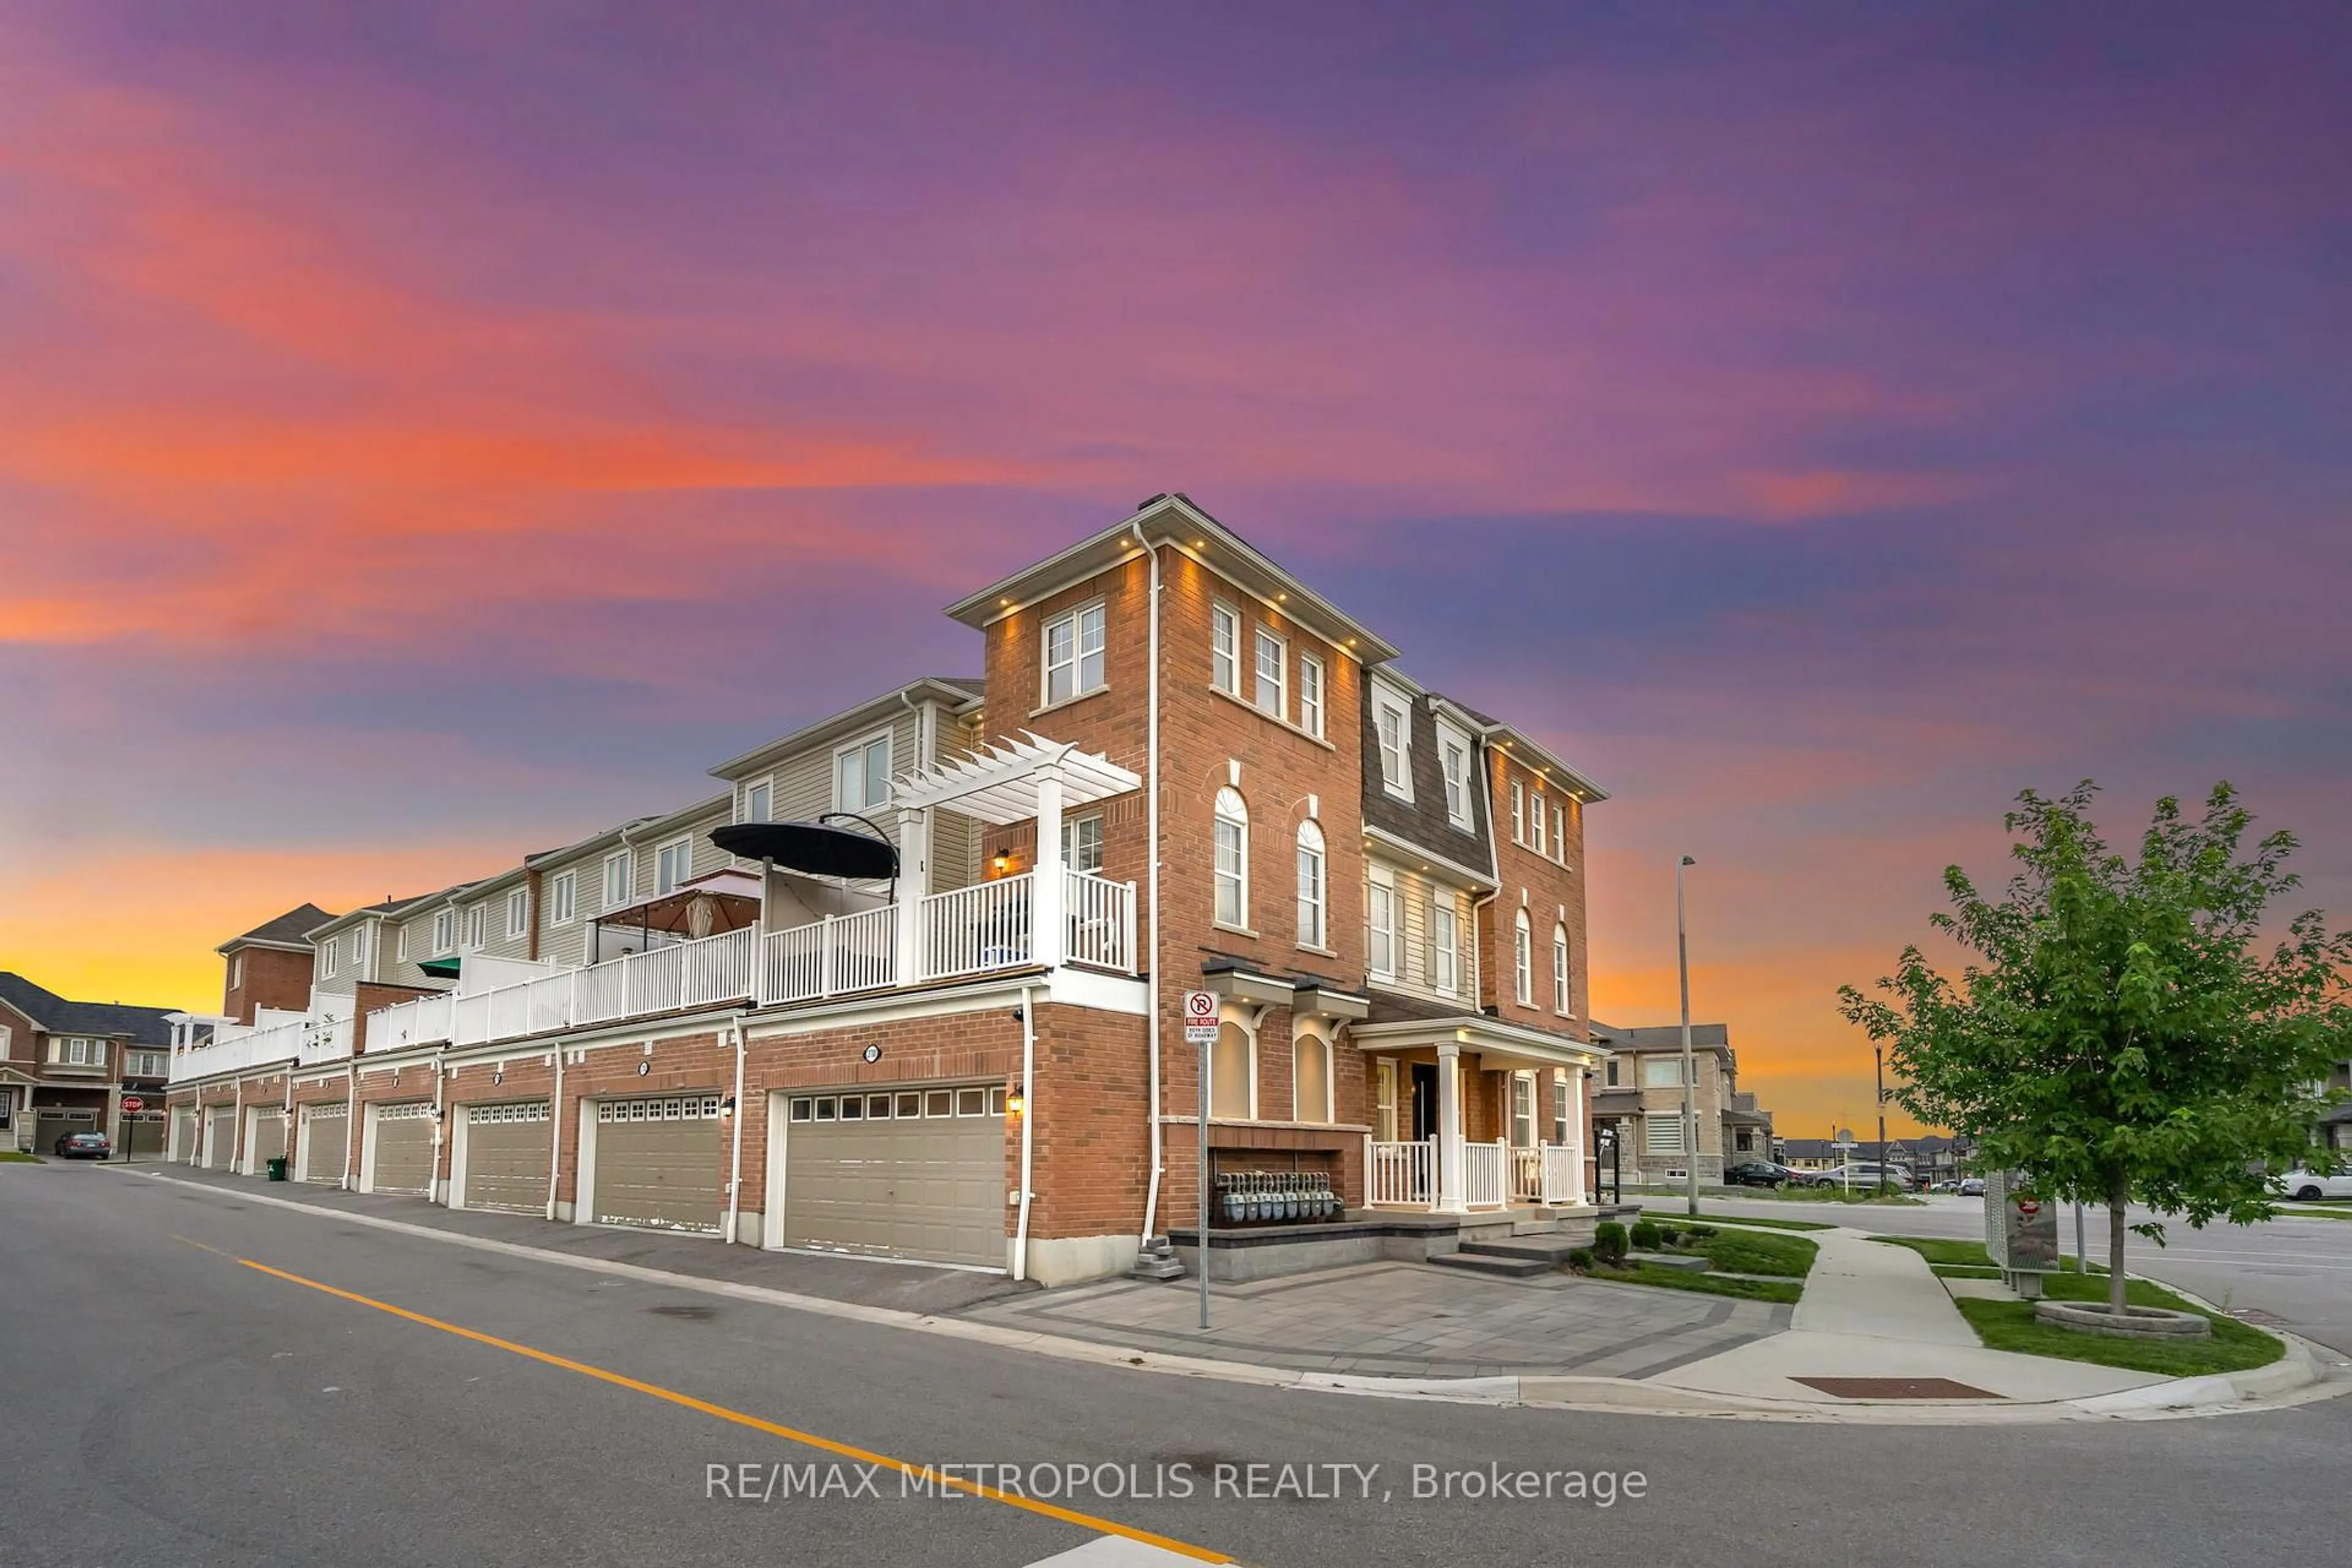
[1523, 1090]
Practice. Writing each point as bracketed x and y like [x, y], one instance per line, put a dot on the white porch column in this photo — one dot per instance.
[1578, 1139]
[914, 881]
[1450, 1196]
[1047, 938]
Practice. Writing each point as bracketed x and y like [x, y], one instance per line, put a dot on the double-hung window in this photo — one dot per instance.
[1518, 812]
[358, 948]
[1523, 962]
[1559, 969]
[1381, 923]
[445, 932]
[1313, 901]
[1559, 1108]
[673, 865]
[518, 913]
[1310, 694]
[759, 802]
[1232, 859]
[861, 774]
[1559, 834]
[1445, 944]
[1456, 757]
[563, 899]
[1272, 659]
[477, 920]
[1393, 725]
[400, 946]
[1074, 653]
[616, 879]
[1523, 1110]
[1225, 648]
[1082, 844]
[333, 954]
[1541, 816]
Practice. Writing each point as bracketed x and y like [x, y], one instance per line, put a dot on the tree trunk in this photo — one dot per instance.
[2118, 1196]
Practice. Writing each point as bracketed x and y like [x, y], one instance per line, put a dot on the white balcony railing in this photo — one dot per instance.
[1402, 1175]
[1482, 1175]
[1543, 1174]
[966, 932]
[974, 930]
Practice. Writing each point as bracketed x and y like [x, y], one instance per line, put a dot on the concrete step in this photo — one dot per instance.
[1482, 1262]
[1552, 1250]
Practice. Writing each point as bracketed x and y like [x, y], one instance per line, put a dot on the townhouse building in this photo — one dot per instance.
[1639, 1108]
[907, 985]
[66, 1067]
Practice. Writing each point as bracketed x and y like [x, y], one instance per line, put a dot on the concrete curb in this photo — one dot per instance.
[2298, 1379]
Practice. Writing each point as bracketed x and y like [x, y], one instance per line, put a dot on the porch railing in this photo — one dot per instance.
[965, 931]
[1483, 1166]
[1545, 1174]
[1403, 1174]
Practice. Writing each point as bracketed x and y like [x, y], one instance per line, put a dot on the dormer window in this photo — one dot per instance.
[1393, 723]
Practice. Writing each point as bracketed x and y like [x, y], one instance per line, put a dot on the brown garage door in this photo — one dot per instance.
[220, 1138]
[51, 1124]
[142, 1133]
[265, 1137]
[506, 1157]
[319, 1142]
[184, 1137]
[910, 1173]
[400, 1148]
[658, 1163]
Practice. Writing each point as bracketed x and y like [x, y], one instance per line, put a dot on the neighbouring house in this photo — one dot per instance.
[908, 985]
[65, 1067]
[1639, 1105]
[2333, 1132]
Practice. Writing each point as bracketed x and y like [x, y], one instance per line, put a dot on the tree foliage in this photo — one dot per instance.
[2122, 1029]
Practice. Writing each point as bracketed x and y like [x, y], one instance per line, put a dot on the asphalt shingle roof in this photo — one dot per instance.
[144, 1026]
[294, 927]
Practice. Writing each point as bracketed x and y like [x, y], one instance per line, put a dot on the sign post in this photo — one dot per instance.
[1843, 1144]
[1201, 1029]
[2020, 1232]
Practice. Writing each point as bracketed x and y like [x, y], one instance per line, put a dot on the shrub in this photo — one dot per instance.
[1609, 1242]
[1647, 1237]
[1581, 1260]
[1669, 1234]
[1701, 1231]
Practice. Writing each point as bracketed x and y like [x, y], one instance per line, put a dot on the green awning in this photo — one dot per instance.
[441, 968]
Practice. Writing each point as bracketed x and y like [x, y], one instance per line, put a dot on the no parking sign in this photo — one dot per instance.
[1200, 1017]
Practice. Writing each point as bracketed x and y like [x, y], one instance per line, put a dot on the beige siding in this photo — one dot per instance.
[1415, 893]
[397, 971]
[495, 942]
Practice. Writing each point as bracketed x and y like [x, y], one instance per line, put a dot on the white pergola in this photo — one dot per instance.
[1009, 782]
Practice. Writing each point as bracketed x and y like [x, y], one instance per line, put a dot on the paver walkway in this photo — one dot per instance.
[1404, 1319]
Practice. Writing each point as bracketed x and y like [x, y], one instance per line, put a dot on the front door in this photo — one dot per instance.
[1424, 1101]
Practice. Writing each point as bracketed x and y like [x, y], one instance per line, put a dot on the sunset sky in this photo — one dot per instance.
[430, 433]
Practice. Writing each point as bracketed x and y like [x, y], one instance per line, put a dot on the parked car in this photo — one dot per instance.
[1971, 1186]
[1866, 1175]
[84, 1146]
[1756, 1173]
[2309, 1187]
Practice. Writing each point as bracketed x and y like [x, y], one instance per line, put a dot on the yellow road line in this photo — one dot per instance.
[703, 1406]
[200, 1247]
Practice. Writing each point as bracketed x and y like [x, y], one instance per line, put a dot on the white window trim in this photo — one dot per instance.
[1451, 744]
[1321, 850]
[889, 767]
[1222, 615]
[1560, 987]
[444, 932]
[1559, 832]
[518, 913]
[1258, 645]
[1387, 700]
[1523, 960]
[1385, 1098]
[661, 852]
[331, 956]
[477, 928]
[1070, 825]
[563, 899]
[1381, 879]
[626, 860]
[400, 946]
[1540, 816]
[1445, 979]
[235, 969]
[1308, 661]
[744, 803]
[1076, 617]
[1518, 812]
[1240, 922]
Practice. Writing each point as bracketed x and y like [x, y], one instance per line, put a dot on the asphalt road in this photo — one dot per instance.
[171, 1404]
[2298, 1271]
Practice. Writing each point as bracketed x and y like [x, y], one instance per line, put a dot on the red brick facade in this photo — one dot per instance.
[254, 977]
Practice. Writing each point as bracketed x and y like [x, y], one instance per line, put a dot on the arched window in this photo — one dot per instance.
[1523, 965]
[1232, 1074]
[1559, 969]
[1310, 1075]
[1312, 885]
[1232, 859]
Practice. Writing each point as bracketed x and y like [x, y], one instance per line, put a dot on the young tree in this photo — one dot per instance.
[2117, 1032]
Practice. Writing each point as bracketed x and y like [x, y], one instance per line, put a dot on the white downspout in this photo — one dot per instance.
[1151, 832]
[441, 1144]
[351, 1115]
[1028, 1120]
[735, 1159]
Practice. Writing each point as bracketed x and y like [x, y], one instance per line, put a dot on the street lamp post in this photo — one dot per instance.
[1878, 1068]
[1690, 1102]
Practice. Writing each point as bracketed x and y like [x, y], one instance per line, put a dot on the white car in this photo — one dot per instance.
[2307, 1186]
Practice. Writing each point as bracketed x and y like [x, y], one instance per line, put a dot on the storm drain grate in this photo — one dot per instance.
[1894, 1388]
[2259, 1318]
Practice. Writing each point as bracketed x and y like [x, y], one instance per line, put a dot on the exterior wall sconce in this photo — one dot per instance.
[1017, 1102]
[727, 1106]
[1001, 863]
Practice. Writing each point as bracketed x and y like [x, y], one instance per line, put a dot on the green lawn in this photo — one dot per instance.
[18, 1157]
[1735, 1252]
[2010, 1326]
[1787, 1290]
[1676, 1216]
[1962, 1259]
[2310, 1211]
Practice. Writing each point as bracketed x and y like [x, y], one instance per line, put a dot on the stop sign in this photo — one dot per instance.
[131, 1102]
